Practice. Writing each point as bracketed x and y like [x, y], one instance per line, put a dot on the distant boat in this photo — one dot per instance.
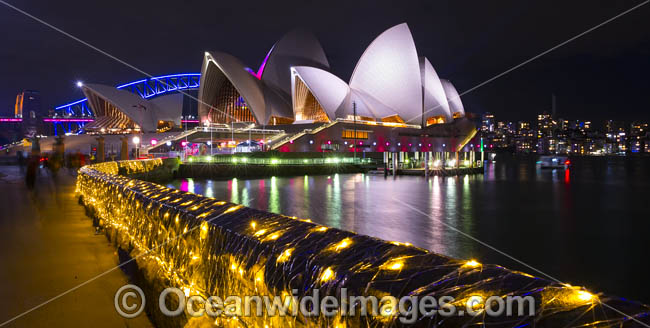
[553, 162]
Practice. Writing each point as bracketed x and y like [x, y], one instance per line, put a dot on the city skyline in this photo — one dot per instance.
[532, 119]
[551, 134]
[470, 49]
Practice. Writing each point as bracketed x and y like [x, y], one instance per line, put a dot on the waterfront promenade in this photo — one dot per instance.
[49, 246]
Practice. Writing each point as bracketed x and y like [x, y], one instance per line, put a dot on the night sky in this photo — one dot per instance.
[603, 75]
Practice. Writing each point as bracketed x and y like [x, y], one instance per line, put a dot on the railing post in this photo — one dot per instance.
[100, 150]
[124, 150]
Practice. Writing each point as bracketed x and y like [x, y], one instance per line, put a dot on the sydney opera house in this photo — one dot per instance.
[293, 85]
[393, 100]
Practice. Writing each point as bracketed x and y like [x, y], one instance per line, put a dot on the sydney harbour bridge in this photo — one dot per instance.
[71, 117]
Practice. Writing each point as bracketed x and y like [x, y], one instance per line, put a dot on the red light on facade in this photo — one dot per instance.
[329, 142]
[567, 162]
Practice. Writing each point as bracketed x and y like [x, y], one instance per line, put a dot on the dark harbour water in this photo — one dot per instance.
[588, 226]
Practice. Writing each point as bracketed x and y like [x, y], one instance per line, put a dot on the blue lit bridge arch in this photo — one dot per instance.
[145, 88]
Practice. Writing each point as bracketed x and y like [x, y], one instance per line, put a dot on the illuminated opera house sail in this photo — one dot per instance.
[390, 84]
[231, 92]
[117, 110]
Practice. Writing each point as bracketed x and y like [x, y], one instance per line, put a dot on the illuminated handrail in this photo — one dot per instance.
[289, 138]
[302, 133]
[199, 129]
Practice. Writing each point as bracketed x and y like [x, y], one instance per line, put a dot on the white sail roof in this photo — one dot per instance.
[435, 100]
[138, 109]
[389, 72]
[218, 68]
[296, 48]
[327, 88]
[455, 104]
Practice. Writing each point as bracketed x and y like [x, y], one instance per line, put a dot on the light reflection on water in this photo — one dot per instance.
[572, 224]
[366, 204]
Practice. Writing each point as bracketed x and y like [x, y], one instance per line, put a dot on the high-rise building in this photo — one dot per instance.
[544, 124]
[487, 124]
[615, 137]
[18, 108]
[512, 129]
[28, 105]
[638, 129]
[638, 137]
[523, 126]
[612, 126]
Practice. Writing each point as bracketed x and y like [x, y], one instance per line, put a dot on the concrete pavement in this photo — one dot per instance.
[48, 246]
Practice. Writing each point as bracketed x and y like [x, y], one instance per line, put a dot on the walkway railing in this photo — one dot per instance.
[215, 129]
[294, 137]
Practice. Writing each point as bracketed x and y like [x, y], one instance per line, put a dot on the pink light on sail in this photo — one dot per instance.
[260, 71]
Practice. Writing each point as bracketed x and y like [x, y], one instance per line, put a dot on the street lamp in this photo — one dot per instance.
[183, 145]
[136, 142]
[80, 84]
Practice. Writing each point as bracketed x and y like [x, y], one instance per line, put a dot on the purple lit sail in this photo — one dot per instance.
[260, 71]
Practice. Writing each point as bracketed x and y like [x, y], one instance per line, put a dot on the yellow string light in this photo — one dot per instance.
[327, 275]
[472, 264]
[284, 256]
